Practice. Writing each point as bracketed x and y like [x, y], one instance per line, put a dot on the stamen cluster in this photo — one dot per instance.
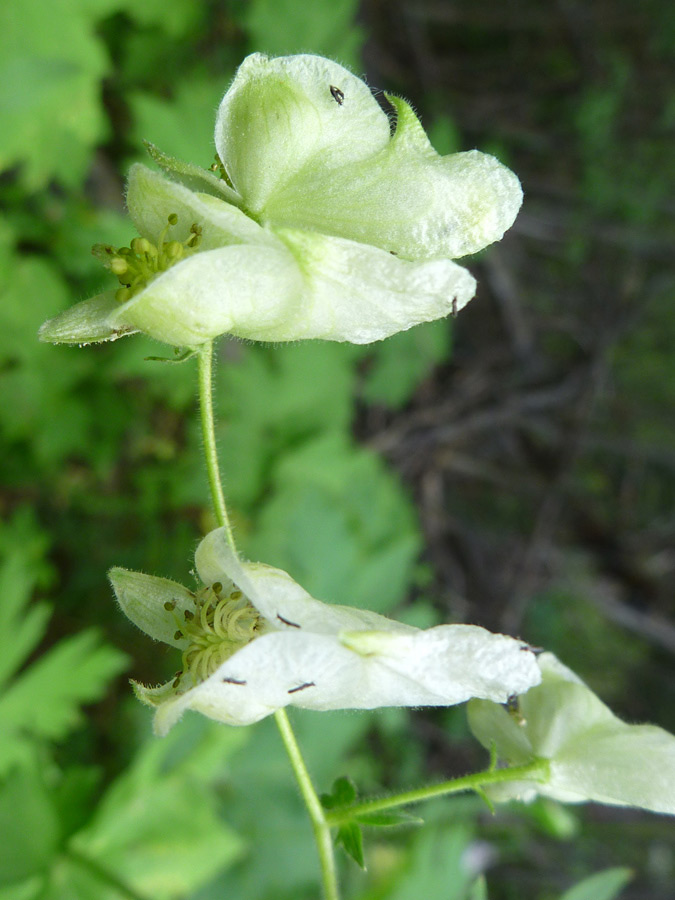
[136, 265]
[222, 622]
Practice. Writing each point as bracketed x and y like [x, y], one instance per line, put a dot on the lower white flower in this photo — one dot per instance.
[254, 641]
[592, 754]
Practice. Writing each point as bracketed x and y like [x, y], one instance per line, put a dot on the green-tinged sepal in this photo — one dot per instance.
[193, 176]
[156, 605]
[406, 198]
[279, 122]
[85, 323]
[592, 754]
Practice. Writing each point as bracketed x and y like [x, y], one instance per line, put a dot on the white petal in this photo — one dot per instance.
[85, 323]
[406, 199]
[358, 293]
[593, 754]
[318, 671]
[450, 662]
[281, 600]
[142, 598]
[152, 198]
[279, 117]
[625, 765]
[247, 290]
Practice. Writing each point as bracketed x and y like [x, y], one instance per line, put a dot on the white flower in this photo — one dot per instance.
[593, 755]
[254, 641]
[323, 224]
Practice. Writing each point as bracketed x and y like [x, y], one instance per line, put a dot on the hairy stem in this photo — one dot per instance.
[536, 770]
[316, 812]
[209, 438]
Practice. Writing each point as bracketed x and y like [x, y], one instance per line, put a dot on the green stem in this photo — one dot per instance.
[536, 770]
[103, 874]
[319, 825]
[316, 812]
[209, 438]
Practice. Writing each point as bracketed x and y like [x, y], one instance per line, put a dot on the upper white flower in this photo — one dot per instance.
[324, 224]
[592, 754]
[254, 641]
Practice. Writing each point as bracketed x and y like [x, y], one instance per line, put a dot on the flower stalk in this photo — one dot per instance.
[320, 824]
[205, 362]
[537, 770]
[320, 827]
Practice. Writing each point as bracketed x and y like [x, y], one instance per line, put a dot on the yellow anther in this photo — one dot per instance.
[140, 245]
[118, 265]
[173, 250]
[138, 264]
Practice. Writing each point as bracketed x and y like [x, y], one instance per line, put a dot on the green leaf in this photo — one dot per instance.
[281, 27]
[351, 838]
[435, 867]
[176, 18]
[386, 819]
[25, 890]
[44, 701]
[401, 362]
[182, 127]
[339, 503]
[50, 70]
[603, 885]
[343, 793]
[311, 384]
[28, 825]
[157, 827]
[22, 629]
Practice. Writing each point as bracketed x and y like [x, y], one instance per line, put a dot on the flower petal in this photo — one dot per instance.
[143, 598]
[280, 599]
[152, 197]
[247, 290]
[280, 118]
[406, 199]
[321, 672]
[85, 323]
[358, 293]
[450, 663]
[593, 754]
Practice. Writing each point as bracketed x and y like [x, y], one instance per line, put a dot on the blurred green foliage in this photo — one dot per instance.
[101, 466]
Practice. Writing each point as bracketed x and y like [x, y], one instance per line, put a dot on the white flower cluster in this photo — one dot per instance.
[322, 224]
[254, 641]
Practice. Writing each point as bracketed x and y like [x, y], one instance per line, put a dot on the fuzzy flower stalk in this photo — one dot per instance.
[322, 218]
[254, 641]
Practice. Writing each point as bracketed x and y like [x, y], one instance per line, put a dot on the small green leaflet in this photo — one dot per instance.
[605, 885]
[42, 701]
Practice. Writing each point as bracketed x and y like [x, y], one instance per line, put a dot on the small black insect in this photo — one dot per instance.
[301, 687]
[337, 95]
[233, 681]
[454, 307]
[286, 622]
